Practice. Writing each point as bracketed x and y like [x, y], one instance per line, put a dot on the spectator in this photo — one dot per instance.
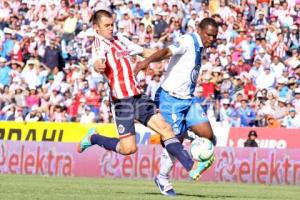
[249, 88]
[280, 110]
[266, 79]
[87, 116]
[8, 44]
[32, 99]
[153, 86]
[251, 141]
[226, 113]
[4, 72]
[246, 113]
[105, 115]
[52, 54]
[277, 67]
[226, 84]
[272, 123]
[263, 56]
[58, 114]
[208, 86]
[160, 25]
[34, 115]
[292, 120]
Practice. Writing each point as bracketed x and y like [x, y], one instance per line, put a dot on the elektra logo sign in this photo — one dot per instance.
[35, 160]
[265, 167]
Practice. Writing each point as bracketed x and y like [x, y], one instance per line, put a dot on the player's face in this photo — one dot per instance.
[105, 27]
[208, 35]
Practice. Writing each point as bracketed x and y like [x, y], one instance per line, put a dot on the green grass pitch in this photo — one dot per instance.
[20, 187]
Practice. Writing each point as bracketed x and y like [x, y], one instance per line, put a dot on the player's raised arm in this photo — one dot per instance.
[156, 57]
[165, 53]
[135, 49]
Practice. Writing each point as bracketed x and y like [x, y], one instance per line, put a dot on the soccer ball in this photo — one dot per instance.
[201, 149]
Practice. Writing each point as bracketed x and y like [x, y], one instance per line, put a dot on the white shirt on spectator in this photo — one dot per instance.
[290, 122]
[87, 117]
[42, 77]
[265, 80]
[206, 66]
[32, 47]
[86, 14]
[58, 79]
[64, 86]
[266, 59]
[271, 37]
[51, 14]
[282, 16]
[30, 76]
[192, 23]
[277, 69]
[224, 34]
[224, 12]
[56, 99]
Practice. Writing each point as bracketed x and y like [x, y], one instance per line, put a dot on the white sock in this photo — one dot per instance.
[166, 164]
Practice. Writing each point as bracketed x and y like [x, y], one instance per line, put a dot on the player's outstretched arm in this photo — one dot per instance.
[155, 57]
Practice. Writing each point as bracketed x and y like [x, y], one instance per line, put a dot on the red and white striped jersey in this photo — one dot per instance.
[119, 69]
[279, 50]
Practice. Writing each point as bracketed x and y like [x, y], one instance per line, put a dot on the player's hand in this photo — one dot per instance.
[99, 66]
[142, 65]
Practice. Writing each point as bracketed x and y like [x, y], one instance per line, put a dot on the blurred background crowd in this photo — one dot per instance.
[250, 77]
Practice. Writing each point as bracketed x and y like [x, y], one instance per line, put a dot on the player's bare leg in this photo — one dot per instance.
[203, 130]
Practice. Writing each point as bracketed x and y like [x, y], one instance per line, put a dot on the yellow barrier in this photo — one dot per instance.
[49, 131]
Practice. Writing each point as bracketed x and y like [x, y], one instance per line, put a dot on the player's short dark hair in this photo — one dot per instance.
[98, 15]
[208, 22]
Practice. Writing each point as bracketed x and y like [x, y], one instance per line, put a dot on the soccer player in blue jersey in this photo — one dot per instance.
[176, 100]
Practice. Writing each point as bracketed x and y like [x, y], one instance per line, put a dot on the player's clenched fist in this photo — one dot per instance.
[99, 65]
[140, 66]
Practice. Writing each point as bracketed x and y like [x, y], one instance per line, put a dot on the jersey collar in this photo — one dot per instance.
[101, 38]
[199, 39]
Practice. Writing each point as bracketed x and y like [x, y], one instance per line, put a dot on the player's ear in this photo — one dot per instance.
[96, 27]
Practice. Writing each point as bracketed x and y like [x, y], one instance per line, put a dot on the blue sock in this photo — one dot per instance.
[105, 142]
[175, 148]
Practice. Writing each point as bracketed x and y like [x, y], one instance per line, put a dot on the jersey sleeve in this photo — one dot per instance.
[181, 46]
[131, 47]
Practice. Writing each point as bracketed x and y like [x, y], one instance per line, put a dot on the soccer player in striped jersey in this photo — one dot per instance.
[111, 57]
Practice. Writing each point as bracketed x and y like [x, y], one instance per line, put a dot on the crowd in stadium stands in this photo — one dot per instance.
[250, 77]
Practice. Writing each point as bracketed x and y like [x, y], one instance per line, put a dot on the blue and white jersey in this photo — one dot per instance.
[183, 69]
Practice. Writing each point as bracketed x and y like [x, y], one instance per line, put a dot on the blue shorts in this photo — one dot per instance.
[126, 110]
[181, 114]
